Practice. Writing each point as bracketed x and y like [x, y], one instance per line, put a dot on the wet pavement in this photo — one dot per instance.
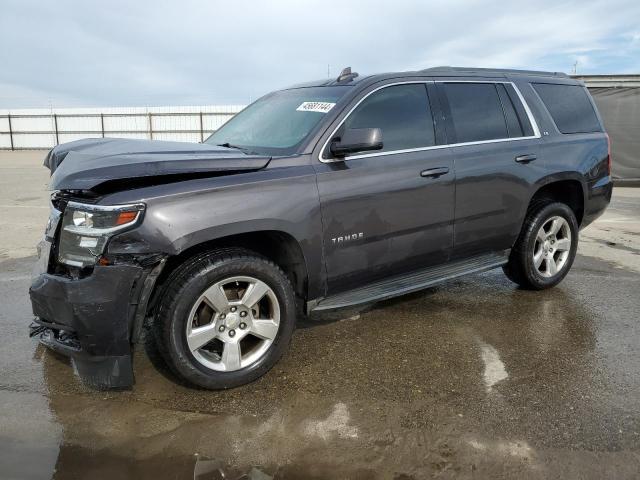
[473, 379]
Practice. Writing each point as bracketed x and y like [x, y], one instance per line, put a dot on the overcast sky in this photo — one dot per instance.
[187, 52]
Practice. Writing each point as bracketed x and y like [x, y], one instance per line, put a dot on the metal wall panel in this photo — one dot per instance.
[45, 128]
[620, 110]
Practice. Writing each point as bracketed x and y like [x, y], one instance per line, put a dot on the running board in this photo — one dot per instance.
[412, 282]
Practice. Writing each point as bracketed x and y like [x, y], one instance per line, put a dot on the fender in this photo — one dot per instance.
[548, 180]
[233, 205]
[558, 177]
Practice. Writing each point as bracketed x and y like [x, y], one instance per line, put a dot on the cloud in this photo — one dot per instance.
[197, 51]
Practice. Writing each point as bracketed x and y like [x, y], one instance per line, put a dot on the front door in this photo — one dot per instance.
[389, 211]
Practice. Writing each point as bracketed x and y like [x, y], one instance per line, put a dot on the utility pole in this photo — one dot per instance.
[328, 70]
[575, 67]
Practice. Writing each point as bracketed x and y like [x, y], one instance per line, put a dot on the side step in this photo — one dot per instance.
[412, 282]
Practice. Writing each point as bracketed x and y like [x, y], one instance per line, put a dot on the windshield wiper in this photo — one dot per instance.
[238, 147]
[228, 145]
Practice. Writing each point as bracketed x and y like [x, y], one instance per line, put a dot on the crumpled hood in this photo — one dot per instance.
[85, 164]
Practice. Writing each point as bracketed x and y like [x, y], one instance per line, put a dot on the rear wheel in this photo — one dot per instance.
[546, 248]
[226, 318]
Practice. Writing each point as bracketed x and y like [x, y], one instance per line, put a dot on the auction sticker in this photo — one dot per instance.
[320, 107]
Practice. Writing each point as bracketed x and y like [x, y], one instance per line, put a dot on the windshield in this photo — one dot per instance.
[277, 123]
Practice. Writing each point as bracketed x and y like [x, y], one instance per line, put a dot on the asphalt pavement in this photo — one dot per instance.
[472, 379]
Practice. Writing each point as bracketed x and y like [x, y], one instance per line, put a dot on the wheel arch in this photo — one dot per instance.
[568, 188]
[279, 246]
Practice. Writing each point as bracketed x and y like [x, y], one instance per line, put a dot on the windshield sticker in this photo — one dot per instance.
[320, 107]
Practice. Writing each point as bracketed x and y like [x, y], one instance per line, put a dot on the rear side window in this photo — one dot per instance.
[523, 118]
[570, 107]
[513, 124]
[476, 111]
[402, 112]
[518, 123]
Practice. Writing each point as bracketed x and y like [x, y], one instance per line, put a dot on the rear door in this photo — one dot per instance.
[495, 143]
[381, 216]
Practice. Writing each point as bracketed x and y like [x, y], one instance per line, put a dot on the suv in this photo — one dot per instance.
[324, 195]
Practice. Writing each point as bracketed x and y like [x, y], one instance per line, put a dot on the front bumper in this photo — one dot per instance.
[95, 319]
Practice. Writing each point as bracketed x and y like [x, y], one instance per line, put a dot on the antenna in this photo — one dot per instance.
[346, 75]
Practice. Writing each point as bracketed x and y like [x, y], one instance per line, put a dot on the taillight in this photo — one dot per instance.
[608, 154]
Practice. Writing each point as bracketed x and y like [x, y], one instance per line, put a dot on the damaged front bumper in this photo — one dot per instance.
[96, 319]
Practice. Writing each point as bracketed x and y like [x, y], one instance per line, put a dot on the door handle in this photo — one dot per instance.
[434, 172]
[525, 158]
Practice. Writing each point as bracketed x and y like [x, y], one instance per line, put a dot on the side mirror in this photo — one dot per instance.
[355, 140]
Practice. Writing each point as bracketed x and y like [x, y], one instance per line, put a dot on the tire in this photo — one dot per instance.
[191, 310]
[534, 240]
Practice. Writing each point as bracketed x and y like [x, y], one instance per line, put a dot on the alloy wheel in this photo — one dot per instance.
[233, 323]
[552, 246]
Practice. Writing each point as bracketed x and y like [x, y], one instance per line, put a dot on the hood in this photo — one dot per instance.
[86, 164]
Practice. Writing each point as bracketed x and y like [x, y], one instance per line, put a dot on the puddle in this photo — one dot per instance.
[398, 393]
[335, 424]
[494, 370]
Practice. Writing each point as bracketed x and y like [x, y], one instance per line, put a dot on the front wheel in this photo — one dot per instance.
[546, 247]
[226, 318]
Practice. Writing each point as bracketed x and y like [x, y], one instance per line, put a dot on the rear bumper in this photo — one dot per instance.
[598, 199]
[92, 320]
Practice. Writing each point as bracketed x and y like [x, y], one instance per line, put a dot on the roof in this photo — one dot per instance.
[443, 71]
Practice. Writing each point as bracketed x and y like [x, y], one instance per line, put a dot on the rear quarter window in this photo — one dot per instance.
[569, 106]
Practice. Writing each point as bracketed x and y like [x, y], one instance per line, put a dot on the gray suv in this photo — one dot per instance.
[324, 195]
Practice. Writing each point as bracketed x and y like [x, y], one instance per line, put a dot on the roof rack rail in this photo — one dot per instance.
[447, 68]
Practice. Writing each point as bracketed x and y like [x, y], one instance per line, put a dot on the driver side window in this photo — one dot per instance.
[402, 112]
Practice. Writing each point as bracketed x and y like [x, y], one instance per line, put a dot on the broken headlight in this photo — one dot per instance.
[87, 228]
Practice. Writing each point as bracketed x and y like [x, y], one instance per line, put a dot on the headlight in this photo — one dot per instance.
[87, 228]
